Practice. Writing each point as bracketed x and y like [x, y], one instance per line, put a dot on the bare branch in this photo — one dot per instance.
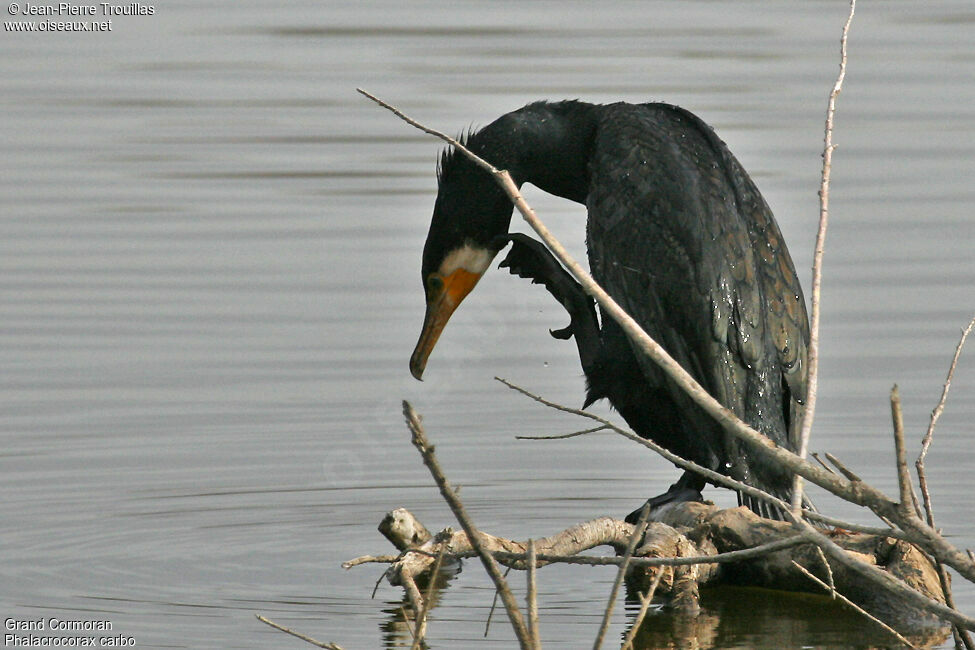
[812, 381]
[935, 415]
[820, 461]
[645, 600]
[276, 626]
[421, 614]
[494, 603]
[369, 559]
[829, 572]
[453, 142]
[900, 449]
[407, 622]
[961, 636]
[872, 573]
[714, 476]
[886, 581]
[843, 468]
[728, 557]
[430, 460]
[736, 527]
[418, 628]
[532, 597]
[709, 474]
[564, 435]
[635, 537]
[856, 607]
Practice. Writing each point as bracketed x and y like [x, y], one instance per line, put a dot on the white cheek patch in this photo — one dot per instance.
[473, 259]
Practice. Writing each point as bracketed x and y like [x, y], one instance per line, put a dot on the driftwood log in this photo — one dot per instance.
[692, 545]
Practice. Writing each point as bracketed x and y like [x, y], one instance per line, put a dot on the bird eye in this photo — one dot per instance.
[434, 283]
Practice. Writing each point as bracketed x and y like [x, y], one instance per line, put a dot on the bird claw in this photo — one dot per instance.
[528, 258]
[563, 334]
[659, 504]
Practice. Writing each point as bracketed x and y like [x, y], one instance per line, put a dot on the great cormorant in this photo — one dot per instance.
[678, 235]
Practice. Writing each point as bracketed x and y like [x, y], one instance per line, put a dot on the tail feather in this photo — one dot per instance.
[768, 510]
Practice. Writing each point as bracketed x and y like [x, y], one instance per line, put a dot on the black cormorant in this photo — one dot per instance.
[678, 235]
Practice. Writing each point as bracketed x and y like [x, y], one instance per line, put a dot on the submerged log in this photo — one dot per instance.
[702, 532]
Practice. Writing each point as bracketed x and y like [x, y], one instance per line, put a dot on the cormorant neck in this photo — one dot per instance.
[545, 144]
[548, 145]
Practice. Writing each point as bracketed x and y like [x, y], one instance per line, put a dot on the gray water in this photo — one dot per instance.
[209, 291]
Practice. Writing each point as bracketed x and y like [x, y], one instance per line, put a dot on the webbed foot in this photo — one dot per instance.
[663, 502]
[529, 258]
[687, 488]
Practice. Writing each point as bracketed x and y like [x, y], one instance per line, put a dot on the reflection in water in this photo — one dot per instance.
[730, 617]
[396, 629]
[738, 617]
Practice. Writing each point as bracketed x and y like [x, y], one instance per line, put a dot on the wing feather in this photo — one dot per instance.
[680, 236]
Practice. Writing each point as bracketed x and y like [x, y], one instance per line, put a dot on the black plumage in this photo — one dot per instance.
[680, 236]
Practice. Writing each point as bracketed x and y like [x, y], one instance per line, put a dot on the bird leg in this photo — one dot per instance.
[687, 488]
[529, 258]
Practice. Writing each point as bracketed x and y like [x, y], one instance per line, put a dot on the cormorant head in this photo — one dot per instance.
[470, 221]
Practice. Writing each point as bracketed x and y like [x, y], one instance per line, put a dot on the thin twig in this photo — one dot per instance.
[276, 626]
[719, 478]
[877, 576]
[713, 476]
[379, 580]
[961, 636]
[453, 142]
[935, 415]
[369, 559]
[820, 461]
[563, 436]
[844, 470]
[645, 600]
[873, 573]
[494, 601]
[532, 598]
[900, 449]
[888, 531]
[421, 616]
[812, 379]
[508, 558]
[511, 559]
[416, 602]
[410, 627]
[709, 474]
[638, 530]
[854, 605]
[829, 572]
[430, 460]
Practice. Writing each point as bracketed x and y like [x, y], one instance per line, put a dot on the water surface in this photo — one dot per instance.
[209, 291]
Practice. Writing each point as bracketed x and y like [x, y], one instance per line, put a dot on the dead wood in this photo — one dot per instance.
[693, 545]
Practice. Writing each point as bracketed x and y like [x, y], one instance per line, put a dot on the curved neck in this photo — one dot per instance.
[545, 144]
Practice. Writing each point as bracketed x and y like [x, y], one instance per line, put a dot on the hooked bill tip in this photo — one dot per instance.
[418, 363]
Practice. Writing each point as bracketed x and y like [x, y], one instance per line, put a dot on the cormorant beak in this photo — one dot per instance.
[442, 300]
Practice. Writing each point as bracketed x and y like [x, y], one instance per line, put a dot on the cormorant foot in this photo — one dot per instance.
[563, 334]
[663, 502]
[529, 258]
